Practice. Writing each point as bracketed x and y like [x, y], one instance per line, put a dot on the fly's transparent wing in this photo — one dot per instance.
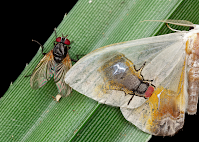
[43, 71]
[60, 71]
[161, 55]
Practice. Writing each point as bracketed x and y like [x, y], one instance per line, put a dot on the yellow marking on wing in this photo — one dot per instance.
[165, 103]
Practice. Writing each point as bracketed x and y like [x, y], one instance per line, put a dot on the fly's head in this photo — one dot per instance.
[63, 40]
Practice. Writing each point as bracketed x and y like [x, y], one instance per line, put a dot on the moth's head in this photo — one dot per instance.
[195, 28]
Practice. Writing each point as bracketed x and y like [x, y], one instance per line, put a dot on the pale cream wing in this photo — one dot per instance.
[87, 77]
[163, 113]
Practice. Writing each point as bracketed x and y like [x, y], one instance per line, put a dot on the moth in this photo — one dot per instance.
[153, 80]
[54, 63]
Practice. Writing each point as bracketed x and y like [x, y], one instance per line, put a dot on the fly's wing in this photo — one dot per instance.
[60, 71]
[43, 71]
[160, 54]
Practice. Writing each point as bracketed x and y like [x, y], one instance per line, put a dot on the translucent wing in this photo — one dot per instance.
[60, 71]
[43, 71]
[161, 55]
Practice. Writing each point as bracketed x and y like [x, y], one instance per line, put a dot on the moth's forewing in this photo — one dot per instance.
[43, 71]
[60, 71]
[171, 62]
[92, 80]
[87, 75]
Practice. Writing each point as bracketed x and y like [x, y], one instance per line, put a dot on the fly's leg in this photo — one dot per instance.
[42, 48]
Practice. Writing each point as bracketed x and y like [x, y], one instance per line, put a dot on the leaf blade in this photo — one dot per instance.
[29, 115]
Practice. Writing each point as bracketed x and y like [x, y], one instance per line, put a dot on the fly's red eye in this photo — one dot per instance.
[67, 42]
[58, 39]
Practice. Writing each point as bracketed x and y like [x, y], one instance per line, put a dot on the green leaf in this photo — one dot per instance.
[32, 115]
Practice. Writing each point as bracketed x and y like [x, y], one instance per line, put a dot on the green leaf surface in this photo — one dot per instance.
[32, 115]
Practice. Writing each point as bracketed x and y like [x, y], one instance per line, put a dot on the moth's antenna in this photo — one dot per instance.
[172, 28]
[175, 22]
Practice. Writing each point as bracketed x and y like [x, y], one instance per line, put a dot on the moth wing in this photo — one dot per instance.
[85, 76]
[163, 113]
[43, 71]
[60, 71]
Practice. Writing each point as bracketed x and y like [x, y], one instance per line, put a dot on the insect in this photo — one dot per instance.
[54, 63]
[153, 80]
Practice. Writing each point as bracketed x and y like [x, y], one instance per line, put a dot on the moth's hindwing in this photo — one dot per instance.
[163, 113]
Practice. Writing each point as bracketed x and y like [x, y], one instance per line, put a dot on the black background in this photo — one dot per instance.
[24, 22]
[27, 21]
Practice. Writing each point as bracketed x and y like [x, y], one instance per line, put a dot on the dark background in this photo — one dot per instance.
[21, 24]
[27, 21]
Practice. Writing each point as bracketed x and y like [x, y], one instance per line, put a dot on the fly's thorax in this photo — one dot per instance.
[121, 75]
[59, 52]
[192, 50]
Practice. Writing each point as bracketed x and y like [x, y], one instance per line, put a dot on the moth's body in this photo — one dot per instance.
[171, 66]
[192, 50]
